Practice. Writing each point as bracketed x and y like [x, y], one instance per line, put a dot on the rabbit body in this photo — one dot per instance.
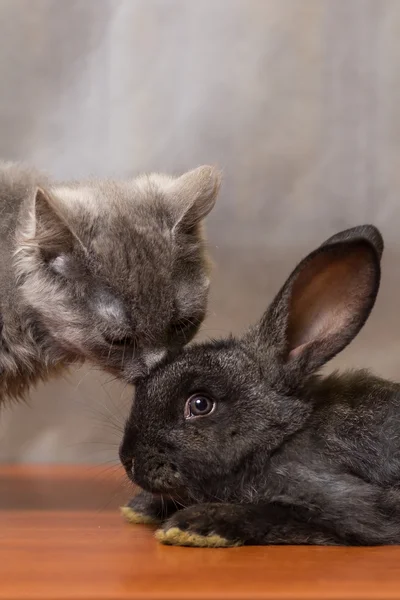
[240, 441]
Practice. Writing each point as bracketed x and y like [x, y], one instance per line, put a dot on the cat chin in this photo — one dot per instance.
[138, 368]
[152, 358]
[132, 372]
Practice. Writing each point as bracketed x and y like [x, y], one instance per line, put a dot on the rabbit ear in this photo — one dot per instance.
[368, 232]
[322, 306]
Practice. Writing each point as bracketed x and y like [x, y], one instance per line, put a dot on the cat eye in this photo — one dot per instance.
[60, 265]
[198, 405]
[65, 267]
[185, 327]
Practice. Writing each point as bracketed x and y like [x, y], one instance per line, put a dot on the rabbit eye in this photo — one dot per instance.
[198, 406]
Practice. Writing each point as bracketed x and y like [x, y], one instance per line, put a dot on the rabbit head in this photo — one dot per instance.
[207, 419]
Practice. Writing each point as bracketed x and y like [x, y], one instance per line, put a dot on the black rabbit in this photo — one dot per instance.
[238, 441]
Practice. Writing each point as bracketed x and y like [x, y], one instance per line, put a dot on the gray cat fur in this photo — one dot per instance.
[114, 272]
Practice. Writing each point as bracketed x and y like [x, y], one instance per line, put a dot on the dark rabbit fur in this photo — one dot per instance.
[240, 442]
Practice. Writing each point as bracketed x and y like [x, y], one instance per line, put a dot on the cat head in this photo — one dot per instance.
[117, 271]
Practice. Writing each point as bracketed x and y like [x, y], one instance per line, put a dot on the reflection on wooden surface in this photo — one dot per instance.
[86, 552]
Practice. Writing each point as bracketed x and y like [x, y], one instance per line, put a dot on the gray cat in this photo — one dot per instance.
[113, 272]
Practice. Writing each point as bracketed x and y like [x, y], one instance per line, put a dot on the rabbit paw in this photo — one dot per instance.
[137, 518]
[147, 509]
[204, 526]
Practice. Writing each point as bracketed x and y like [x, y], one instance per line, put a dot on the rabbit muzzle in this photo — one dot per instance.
[152, 471]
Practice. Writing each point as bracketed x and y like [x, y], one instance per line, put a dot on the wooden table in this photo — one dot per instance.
[61, 538]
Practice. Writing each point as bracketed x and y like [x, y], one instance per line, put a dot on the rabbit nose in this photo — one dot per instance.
[127, 463]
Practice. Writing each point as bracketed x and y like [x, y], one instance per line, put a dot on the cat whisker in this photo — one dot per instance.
[123, 353]
[110, 349]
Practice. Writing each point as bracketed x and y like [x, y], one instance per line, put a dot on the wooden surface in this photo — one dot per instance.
[61, 538]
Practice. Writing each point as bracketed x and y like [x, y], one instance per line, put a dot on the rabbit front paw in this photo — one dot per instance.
[201, 526]
[147, 509]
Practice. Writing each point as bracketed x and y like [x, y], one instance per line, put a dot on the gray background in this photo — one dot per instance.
[297, 100]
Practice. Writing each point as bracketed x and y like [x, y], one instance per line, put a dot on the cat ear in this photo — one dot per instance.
[52, 233]
[193, 196]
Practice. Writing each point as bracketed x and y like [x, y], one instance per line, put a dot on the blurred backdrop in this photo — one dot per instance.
[297, 100]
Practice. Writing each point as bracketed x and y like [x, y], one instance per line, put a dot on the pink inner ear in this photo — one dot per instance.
[296, 351]
[329, 292]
